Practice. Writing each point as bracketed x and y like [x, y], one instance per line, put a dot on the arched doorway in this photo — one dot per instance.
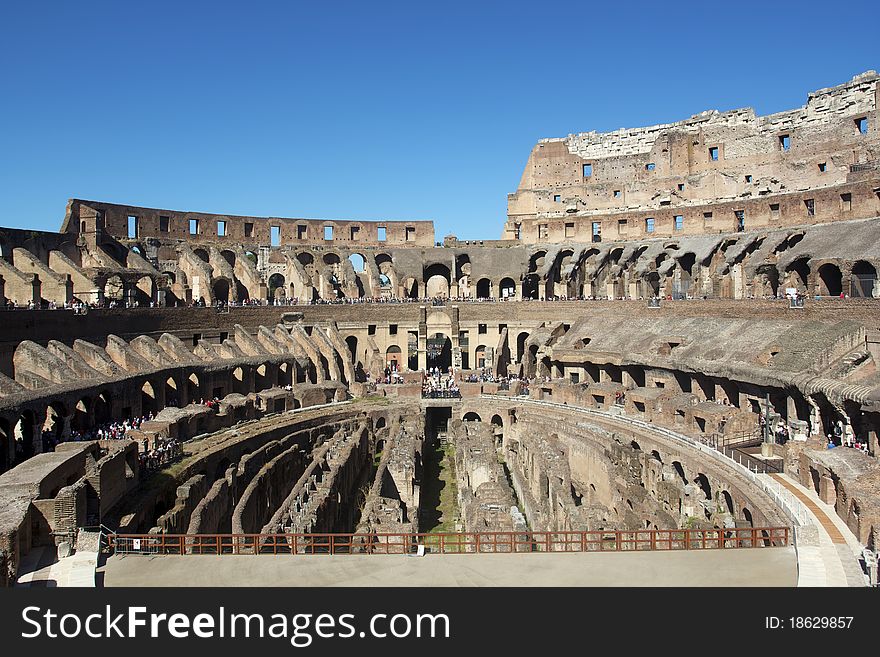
[508, 288]
[148, 399]
[437, 281]
[393, 358]
[439, 352]
[484, 288]
[276, 286]
[830, 280]
[221, 290]
[864, 280]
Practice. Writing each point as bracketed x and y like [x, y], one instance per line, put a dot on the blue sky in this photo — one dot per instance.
[371, 110]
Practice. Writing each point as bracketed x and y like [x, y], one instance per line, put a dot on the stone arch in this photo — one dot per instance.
[352, 343]
[394, 358]
[263, 377]
[102, 411]
[679, 470]
[23, 433]
[728, 501]
[114, 288]
[484, 288]
[149, 403]
[471, 417]
[56, 413]
[358, 263]
[702, 481]
[239, 384]
[521, 345]
[228, 256]
[276, 284]
[864, 279]
[193, 388]
[80, 420]
[507, 288]
[798, 274]
[221, 290]
[437, 280]
[201, 254]
[480, 357]
[830, 280]
[172, 394]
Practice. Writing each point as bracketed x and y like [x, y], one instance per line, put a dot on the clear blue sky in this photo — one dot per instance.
[370, 110]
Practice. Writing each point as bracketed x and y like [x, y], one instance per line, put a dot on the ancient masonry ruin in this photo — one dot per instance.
[707, 279]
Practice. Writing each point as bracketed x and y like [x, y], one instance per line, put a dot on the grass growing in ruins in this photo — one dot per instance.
[439, 493]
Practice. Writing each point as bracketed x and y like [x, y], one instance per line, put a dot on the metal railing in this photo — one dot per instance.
[451, 543]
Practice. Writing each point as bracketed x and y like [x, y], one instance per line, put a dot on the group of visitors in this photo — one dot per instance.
[163, 452]
[437, 384]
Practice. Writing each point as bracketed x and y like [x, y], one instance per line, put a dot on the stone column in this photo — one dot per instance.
[423, 337]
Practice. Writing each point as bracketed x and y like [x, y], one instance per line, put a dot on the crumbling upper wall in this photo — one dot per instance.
[113, 220]
[599, 182]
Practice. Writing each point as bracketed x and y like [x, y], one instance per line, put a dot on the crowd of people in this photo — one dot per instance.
[162, 452]
[82, 308]
[437, 384]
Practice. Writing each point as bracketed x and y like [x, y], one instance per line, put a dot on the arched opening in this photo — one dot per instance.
[114, 289]
[193, 388]
[148, 399]
[436, 279]
[79, 422]
[484, 288]
[250, 255]
[241, 291]
[352, 343]
[53, 428]
[471, 417]
[439, 352]
[276, 286]
[229, 257]
[747, 516]
[239, 384]
[284, 375]
[728, 501]
[144, 291]
[798, 274]
[864, 280]
[521, 345]
[358, 263]
[830, 280]
[201, 254]
[172, 398]
[261, 377]
[221, 290]
[702, 481]
[508, 288]
[24, 436]
[102, 409]
[679, 469]
[656, 455]
[498, 430]
[480, 357]
[394, 358]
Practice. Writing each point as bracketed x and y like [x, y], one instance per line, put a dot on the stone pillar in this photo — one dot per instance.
[423, 337]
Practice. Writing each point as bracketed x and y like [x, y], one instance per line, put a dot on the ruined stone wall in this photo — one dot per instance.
[85, 217]
[705, 169]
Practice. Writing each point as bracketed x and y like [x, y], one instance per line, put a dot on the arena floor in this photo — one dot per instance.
[744, 567]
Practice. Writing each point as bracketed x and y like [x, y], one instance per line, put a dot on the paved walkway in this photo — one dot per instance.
[42, 568]
[730, 567]
[832, 560]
